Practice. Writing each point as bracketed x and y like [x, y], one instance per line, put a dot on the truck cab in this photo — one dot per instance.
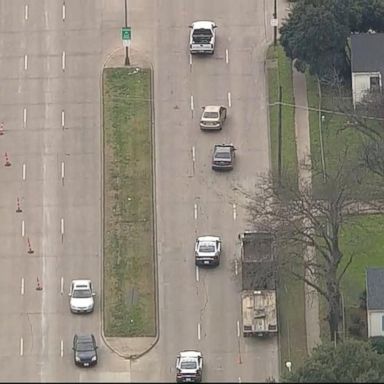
[202, 37]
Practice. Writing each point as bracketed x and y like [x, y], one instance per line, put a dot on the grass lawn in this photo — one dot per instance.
[360, 236]
[336, 134]
[363, 239]
[280, 74]
[292, 335]
[291, 311]
[129, 285]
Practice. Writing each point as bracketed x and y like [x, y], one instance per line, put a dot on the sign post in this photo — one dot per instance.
[126, 34]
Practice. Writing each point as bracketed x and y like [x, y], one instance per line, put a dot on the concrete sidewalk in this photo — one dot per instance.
[305, 178]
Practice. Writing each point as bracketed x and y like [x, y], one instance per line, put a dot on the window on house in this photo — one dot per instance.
[374, 84]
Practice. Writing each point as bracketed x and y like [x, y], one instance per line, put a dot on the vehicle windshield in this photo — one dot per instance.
[222, 155]
[191, 364]
[85, 346]
[211, 115]
[202, 32]
[81, 293]
[207, 247]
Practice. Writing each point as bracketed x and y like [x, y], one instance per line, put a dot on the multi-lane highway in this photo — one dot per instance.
[51, 56]
[200, 309]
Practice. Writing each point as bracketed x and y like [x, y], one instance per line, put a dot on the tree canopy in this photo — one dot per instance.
[366, 15]
[351, 361]
[316, 32]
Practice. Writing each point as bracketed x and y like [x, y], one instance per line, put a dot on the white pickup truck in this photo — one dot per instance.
[202, 37]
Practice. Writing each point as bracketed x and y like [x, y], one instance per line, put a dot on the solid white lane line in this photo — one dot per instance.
[193, 154]
[61, 348]
[24, 171]
[22, 286]
[62, 119]
[229, 99]
[236, 268]
[198, 331]
[239, 379]
[195, 211]
[21, 346]
[191, 102]
[238, 328]
[197, 273]
[22, 228]
[62, 285]
[234, 211]
[25, 116]
[190, 59]
[63, 10]
[26, 12]
[226, 56]
[63, 61]
[62, 226]
[62, 170]
[25, 62]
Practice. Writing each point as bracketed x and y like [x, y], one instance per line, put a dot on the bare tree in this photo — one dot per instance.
[368, 119]
[299, 221]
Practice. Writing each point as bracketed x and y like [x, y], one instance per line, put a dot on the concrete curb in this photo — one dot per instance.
[114, 55]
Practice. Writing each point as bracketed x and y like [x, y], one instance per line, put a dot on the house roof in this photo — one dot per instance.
[367, 52]
[375, 288]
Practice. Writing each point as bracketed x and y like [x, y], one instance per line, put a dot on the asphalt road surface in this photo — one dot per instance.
[51, 56]
[200, 309]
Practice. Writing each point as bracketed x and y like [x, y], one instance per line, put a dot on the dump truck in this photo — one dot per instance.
[258, 295]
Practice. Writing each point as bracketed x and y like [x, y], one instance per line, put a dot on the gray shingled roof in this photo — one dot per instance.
[375, 288]
[367, 52]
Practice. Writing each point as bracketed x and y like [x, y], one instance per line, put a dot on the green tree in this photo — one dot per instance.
[351, 361]
[367, 14]
[315, 33]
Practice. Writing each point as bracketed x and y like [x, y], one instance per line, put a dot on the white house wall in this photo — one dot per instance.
[361, 84]
[375, 321]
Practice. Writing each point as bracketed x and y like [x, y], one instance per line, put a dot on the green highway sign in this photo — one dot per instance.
[126, 33]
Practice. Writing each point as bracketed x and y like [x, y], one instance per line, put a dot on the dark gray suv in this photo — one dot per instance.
[84, 350]
[223, 157]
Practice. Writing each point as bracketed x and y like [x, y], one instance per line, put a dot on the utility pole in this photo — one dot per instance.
[280, 134]
[275, 24]
[126, 25]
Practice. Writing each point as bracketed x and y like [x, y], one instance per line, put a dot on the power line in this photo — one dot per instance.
[323, 110]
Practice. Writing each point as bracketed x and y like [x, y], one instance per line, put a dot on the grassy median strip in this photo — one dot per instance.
[129, 286]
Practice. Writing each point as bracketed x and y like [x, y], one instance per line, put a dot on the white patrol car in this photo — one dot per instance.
[207, 250]
[189, 367]
[82, 296]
